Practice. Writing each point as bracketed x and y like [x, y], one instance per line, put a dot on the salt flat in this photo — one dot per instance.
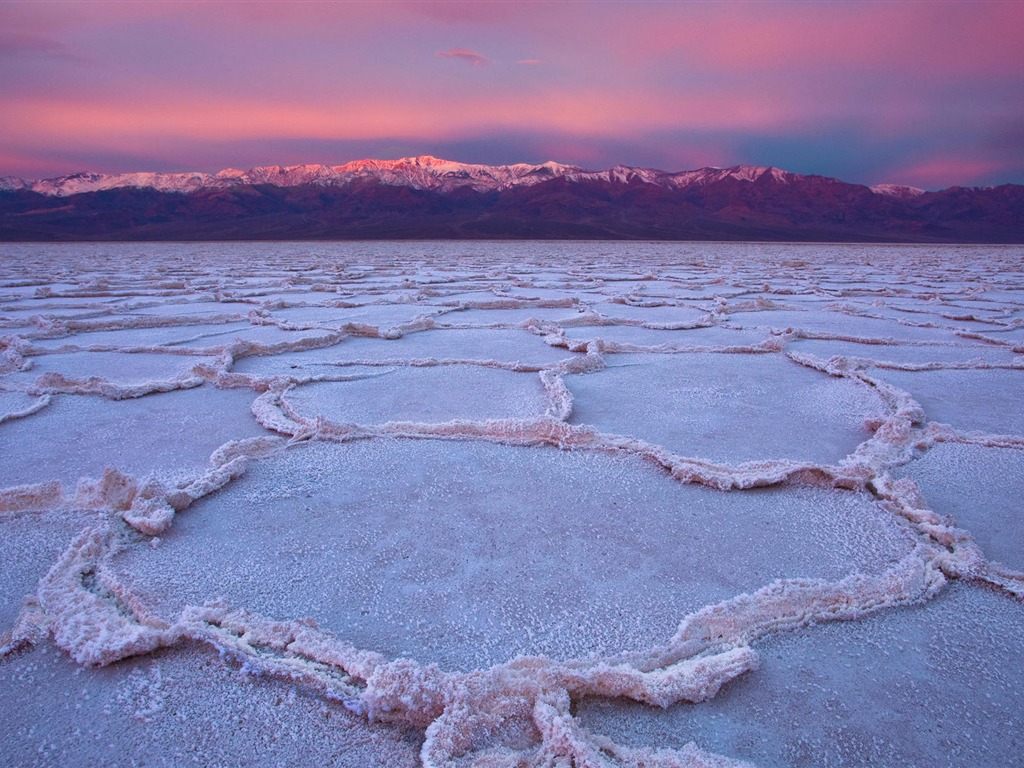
[511, 504]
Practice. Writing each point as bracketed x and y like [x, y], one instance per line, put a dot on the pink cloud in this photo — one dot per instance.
[16, 44]
[937, 39]
[946, 170]
[461, 12]
[30, 165]
[858, 79]
[470, 57]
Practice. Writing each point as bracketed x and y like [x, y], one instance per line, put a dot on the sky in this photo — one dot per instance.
[926, 93]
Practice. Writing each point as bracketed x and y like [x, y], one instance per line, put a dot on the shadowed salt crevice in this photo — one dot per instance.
[957, 553]
[838, 332]
[377, 350]
[201, 305]
[1009, 338]
[149, 336]
[665, 312]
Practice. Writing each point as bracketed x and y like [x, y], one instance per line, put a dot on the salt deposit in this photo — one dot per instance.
[389, 504]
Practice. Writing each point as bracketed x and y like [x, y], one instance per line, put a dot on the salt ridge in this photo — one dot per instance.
[98, 619]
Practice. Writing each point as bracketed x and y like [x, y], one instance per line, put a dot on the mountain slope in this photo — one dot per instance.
[426, 197]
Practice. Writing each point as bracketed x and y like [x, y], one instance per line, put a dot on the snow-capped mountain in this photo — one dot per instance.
[426, 197]
[424, 172]
[900, 191]
[11, 183]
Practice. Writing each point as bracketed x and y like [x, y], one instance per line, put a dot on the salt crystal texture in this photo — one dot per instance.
[449, 504]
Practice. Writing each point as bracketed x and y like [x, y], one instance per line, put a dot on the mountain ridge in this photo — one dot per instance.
[422, 172]
[430, 198]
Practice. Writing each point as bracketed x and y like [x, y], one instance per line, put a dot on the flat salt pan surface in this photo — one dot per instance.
[447, 552]
[515, 316]
[648, 337]
[969, 400]
[194, 308]
[79, 436]
[507, 346]
[838, 324]
[484, 527]
[667, 315]
[27, 312]
[207, 336]
[982, 489]
[381, 316]
[726, 407]
[437, 393]
[901, 689]
[181, 707]
[12, 403]
[117, 367]
[192, 334]
[718, 336]
[307, 362]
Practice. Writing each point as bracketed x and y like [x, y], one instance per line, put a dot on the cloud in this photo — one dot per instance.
[943, 170]
[17, 44]
[461, 12]
[470, 57]
[866, 92]
[934, 41]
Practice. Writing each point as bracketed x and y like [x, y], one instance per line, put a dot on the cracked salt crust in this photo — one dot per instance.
[423, 515]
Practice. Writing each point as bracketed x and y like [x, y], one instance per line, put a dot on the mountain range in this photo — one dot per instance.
[426, 197]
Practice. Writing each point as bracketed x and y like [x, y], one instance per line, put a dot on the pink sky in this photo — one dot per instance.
[925, 93]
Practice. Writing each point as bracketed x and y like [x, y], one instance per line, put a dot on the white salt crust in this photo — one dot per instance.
[398, 399]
